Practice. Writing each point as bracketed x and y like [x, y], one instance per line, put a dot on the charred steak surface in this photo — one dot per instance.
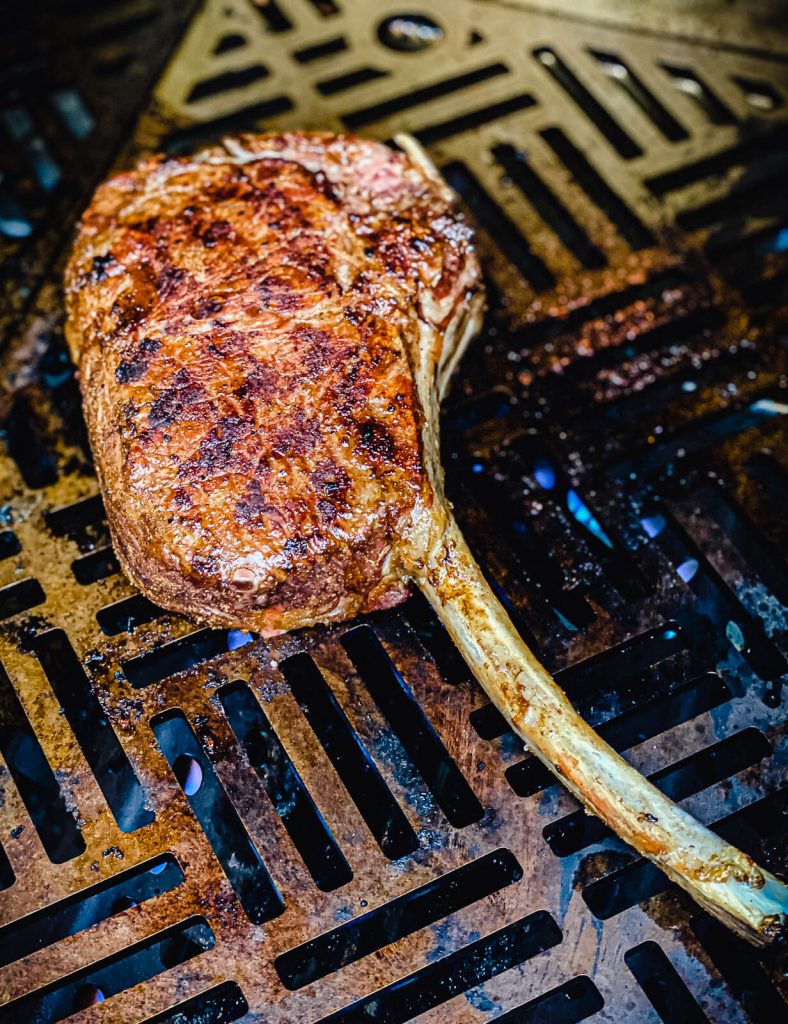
[246, 325]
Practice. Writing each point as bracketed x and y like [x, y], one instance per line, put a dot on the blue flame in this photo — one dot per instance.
[653, 525]
[544, 474]
[688, 569]
[584, 516]
[238, 638]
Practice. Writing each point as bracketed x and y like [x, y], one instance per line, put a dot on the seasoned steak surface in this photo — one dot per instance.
[245, 324]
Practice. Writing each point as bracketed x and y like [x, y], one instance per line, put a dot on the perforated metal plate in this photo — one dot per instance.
[198, 826]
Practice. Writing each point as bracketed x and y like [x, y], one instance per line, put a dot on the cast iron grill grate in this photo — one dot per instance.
[335, 826]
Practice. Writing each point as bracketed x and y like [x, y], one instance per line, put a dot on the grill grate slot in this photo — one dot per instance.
[182, 655]
[549, 206]
[6, 871]
[220, 1005]
[377, 112]
[105, 979]
[218, 818]
[690, 84]
[663, 985]
[285, 788]
[740, 968]
[472, 966]
[124, 616]
[611, 204]
[419, 739]
[624, 145]
[35, 780]
[378, 928]
[474, 119]
[624, 76]
[95, 735]
[571, 1002]
[76, 913]
[352, 763]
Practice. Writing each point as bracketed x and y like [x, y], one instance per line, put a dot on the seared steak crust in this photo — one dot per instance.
[245, 323]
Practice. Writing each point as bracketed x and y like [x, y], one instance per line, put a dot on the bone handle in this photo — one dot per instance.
[723, 880]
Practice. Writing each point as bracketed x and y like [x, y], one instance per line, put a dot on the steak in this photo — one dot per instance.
[263, 334]
[246, 323]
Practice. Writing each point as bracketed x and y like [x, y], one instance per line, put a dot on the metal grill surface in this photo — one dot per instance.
[198, 826]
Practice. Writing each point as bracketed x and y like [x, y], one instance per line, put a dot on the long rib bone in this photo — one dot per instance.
[722, 879]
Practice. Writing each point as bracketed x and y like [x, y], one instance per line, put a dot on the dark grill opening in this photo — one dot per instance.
[198, 826]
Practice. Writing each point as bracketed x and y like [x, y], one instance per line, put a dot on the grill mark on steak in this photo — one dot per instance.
[251, 509]
[219, 452]
[298, 437]
[169, 280]
[99, 268]
[176, 401]
[377, 442]
[136, 366]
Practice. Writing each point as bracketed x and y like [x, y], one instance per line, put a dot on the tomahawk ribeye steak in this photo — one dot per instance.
[263, 334]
